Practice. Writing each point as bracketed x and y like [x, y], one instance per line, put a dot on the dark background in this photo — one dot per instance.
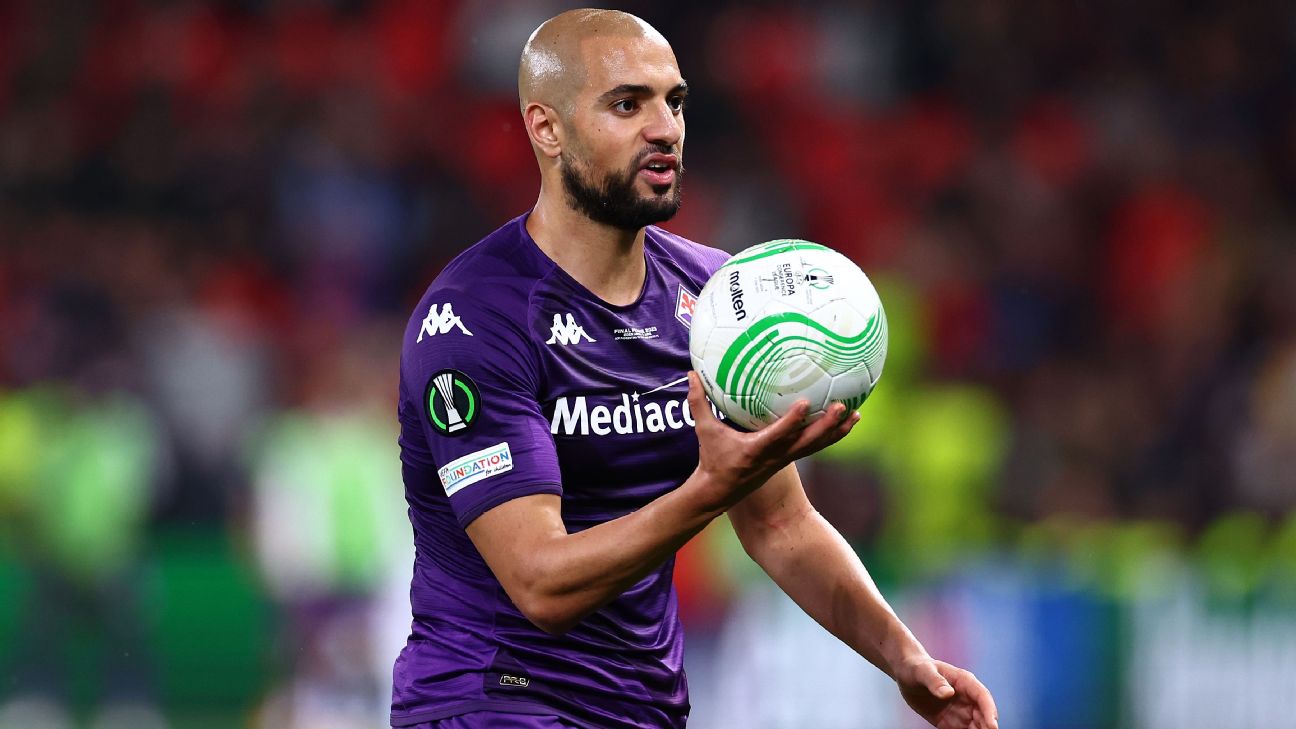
[216, 217]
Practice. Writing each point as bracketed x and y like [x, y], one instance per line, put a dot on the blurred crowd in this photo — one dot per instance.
[215, 217]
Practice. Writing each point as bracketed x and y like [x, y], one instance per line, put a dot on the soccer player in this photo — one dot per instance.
[556, 452]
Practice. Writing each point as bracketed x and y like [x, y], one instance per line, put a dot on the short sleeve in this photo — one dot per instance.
[473, 375]
[712, 260]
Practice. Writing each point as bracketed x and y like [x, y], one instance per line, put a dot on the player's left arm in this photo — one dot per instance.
[814, 565]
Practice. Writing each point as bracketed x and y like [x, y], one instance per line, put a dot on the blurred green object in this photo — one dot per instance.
[1231, 555]
[77, 476]
[1120, 560]
[906, 337]
[14, 585]
[29, 419]
[19, 439]
[939, 450]
[1282, 559]
[949, 450]
[938, 447]
[210, 630]
[98, 481]
[77, 480]
[329, 517]
[214, 627]
[20, 434]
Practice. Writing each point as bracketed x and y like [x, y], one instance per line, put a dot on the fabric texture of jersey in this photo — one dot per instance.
[495, 720]
[516, 380]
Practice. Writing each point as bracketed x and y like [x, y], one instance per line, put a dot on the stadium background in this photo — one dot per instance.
[1078, 476]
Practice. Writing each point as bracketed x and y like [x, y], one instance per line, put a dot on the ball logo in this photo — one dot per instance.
[736, 296]
[786, 279]
[819, 278]
[453, 402]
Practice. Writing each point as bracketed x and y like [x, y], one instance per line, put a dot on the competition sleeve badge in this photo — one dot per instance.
[453, 402]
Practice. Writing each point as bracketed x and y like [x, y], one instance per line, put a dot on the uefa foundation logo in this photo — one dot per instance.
[453, 402]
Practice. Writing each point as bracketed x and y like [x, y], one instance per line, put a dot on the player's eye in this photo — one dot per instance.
[625, 106]
[676, 103]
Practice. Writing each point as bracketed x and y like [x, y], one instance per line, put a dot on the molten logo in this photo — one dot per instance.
[735, 296]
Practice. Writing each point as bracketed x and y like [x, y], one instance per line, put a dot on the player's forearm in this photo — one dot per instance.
[817, 568]
[572, 575]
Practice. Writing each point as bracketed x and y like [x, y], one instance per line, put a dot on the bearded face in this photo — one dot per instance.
[615, 198]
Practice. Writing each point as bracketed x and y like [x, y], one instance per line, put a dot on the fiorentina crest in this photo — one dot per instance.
[684, 305]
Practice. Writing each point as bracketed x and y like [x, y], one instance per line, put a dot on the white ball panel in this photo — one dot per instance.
[761, 302]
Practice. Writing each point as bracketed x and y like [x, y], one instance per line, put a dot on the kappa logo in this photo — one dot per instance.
[567, 333]
[441, 322]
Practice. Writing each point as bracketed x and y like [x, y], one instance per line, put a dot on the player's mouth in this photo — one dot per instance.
[659, 169]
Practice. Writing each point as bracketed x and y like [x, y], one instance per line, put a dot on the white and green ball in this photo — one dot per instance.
[786, 320]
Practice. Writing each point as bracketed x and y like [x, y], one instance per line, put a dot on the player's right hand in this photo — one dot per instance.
[738, 463]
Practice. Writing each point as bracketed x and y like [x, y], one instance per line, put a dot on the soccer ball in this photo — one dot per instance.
[786, 320]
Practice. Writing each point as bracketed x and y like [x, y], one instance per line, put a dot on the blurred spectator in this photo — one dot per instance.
[329, 528]
[76, 504]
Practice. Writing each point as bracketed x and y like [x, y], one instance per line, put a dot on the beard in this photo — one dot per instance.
[614, 201]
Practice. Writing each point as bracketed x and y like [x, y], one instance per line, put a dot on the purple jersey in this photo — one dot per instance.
[516, 380]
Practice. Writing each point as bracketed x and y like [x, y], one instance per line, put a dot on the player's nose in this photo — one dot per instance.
[665, 125]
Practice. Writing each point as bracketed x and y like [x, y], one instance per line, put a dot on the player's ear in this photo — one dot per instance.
[543, 127]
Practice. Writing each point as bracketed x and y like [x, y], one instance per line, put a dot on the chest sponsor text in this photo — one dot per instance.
[624, 416]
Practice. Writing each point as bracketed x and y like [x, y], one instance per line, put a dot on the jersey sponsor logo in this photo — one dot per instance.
[441, 321]
[453, 402]
[478, 465]
[685, 303]
[510, 680]
[568, 332]
[625, 414]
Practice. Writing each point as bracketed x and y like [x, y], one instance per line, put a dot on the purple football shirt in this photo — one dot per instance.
[516, 380]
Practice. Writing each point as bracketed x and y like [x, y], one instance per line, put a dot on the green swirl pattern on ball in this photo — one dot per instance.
[759, 356]
[773, 248]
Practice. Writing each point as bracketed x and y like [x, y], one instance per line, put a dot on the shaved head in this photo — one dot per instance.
[553, 68]
[602, 101]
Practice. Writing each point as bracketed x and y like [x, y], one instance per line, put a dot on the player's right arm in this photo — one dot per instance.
[556, 578]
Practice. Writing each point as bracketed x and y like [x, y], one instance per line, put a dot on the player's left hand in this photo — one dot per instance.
[947, 696]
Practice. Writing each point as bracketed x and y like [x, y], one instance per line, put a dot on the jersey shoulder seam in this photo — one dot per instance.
[537, 353]
[663, 248]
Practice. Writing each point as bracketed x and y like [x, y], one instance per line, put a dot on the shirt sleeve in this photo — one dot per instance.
[475, 379]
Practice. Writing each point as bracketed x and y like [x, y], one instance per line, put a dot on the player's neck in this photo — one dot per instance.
[606, 260]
